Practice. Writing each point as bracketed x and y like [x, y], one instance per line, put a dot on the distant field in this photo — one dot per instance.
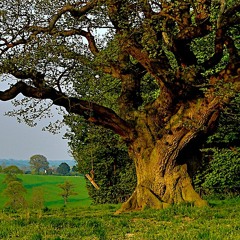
[51, 190]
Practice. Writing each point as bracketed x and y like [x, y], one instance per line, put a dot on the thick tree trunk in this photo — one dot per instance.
[162, 178]
[162, 163]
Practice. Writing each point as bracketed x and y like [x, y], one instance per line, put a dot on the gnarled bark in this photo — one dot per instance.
[162, 181]
[162, 161]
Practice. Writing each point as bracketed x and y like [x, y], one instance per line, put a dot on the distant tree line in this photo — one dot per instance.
[40, 165]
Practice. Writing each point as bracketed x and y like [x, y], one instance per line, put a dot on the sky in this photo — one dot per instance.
[19, 141]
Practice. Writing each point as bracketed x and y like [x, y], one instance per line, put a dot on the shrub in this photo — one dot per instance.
[222, 173]
[12, 169]
[15, 193]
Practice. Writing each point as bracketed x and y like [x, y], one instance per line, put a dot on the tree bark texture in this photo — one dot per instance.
[163, 159]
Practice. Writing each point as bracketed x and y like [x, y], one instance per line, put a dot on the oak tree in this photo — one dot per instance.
[173, 64]
[38, 162]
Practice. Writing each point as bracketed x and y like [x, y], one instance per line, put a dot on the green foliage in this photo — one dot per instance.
[11, 177]
[67, 190]
[225, 170]
[37, 236]
[15, 192]
[220, 172]
[12, 169]
[99, 152]
[37, 201]
[220, 221]
[150, 89]
[228, 133]
[74, 168]
[38, 162]
[63, 169]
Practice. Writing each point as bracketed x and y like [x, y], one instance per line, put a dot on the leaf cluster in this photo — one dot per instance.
[220, 172]
[67, 190]
[101, 154]
[15, 192]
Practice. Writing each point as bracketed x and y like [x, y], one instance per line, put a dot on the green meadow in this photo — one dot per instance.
[82, 220]
[48, 184]
[219, 221]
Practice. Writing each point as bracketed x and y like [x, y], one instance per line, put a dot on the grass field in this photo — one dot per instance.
[220, 221]
[82, 220]
[51, 191]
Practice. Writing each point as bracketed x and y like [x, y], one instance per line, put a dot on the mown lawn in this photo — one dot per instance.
[48, 183]
[220, 221]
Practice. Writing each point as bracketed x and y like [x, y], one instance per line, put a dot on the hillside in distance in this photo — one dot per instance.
[25, 163]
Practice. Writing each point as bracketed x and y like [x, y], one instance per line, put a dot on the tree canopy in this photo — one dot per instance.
[15, 191]
[38, 162]
[12, 170]
[63, 169]
[67, 190]
[170, 66]
[51, 47]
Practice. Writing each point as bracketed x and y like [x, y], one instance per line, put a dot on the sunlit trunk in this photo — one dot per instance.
[162, 179]
[163, 162]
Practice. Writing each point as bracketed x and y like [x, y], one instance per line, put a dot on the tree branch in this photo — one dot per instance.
[92, 112]
[52, 30]
[75, 12]
[232, 11]
[221, 11]
[218, 53]
[229, 17]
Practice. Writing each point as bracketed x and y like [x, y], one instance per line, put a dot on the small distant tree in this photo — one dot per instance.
[63, 169]
[15, 192]
[67, 190]
[1, 169]
[38, 162]
[12, 169]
